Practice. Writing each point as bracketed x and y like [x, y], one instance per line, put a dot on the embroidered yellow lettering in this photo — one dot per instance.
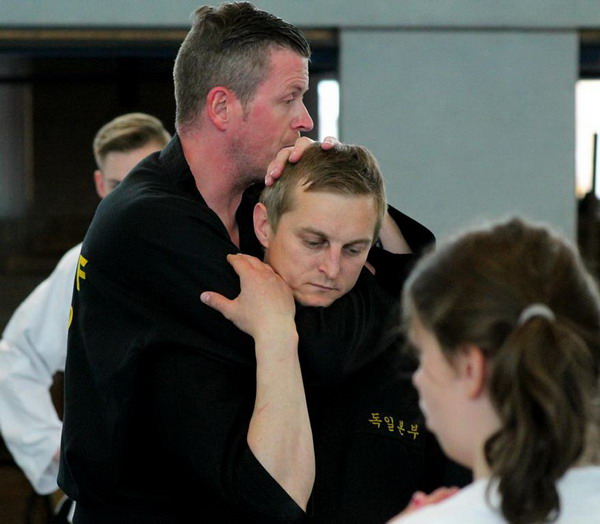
[80, 272]
[70, 316]
[390, 423]
[401, 429]
[375, 419]
[385, 422]
[414, 430]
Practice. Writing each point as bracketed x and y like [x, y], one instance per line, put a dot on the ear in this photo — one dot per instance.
[474, 370]
[220, 102]
[262, 228]
[99, 182]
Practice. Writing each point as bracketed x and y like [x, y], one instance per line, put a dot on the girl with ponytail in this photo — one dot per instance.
[506, 323]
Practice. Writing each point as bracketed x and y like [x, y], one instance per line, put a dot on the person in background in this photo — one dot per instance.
[506, 322]
[34, 343]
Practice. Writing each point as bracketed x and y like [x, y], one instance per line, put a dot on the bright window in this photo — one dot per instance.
[587, 124]
[329, 108]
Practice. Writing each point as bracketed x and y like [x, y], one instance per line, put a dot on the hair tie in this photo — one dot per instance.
[535, 310]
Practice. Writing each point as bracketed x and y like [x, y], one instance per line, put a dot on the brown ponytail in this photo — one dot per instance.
[541, 385]
[543, 372]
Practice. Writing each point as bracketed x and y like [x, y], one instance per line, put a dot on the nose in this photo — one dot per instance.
[330, 263]
[304, 122]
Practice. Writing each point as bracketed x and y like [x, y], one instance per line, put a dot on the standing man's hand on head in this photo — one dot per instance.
[265, 310]
[293, 154]
[391, 237]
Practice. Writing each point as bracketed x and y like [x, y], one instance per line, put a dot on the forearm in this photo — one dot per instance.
[391, 262]
[279, 434]
[392, 238]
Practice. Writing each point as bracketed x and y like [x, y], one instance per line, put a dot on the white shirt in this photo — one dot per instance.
[33, 348]
[579, 492]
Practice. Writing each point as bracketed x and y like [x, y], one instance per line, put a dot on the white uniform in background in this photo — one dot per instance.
[33, 348]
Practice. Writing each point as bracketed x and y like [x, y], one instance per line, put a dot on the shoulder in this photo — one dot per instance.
[579, 490]
[62, 276]
[468, 505]
[69, 259]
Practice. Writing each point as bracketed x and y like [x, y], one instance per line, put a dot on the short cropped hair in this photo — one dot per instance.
[228, 46]
[344, 170]
[126, 133]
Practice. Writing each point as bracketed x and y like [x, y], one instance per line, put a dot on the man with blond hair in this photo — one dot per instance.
[317, 224]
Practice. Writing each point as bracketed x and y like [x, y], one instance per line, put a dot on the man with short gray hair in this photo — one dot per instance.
[153, 371]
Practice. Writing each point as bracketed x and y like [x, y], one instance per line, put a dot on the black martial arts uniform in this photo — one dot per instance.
[160, 388]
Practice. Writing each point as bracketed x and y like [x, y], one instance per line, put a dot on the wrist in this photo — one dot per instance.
[280, 340]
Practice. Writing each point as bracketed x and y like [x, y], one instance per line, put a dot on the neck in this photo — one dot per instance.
[481, 468]
[488, 424]
[216, 177]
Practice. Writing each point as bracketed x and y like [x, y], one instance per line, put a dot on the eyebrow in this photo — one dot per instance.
[298, 87]
[317, 232]
[295, 91]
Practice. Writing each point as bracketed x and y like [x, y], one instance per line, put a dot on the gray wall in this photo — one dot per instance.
[468, 104]
[312, 13]
[467, 125]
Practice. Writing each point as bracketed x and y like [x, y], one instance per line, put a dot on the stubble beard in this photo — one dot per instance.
[248, 167]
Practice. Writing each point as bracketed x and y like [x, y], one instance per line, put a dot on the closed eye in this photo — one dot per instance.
[291, 98]
[355, 250]
[313, 244]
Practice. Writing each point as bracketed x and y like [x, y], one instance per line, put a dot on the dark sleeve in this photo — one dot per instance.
[203, 408]
[391, 270]
[204, 388]
[149, 275]
[159, 255]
